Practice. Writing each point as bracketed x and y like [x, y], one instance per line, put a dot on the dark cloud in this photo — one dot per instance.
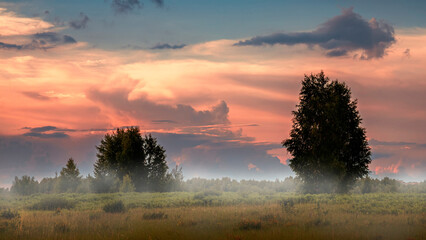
[42, 129]
[37, 157]
[80, 23]
[339, 36]
[163, 121]
[52, 38]
[125, 6]
[36, 95]
[46, 135]
[148, 110]
[168, 46]
[337, 53]
[46, 132]
[45, 40]
[159, 3]
[376, 142]
[10, 46]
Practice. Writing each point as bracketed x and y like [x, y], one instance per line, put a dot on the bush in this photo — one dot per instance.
[152, 216]
[114, 207]
[53, 203]
[249, 224]
[287, 205]
[208, 193]
[8, 214]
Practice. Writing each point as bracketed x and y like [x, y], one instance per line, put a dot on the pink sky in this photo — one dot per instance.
[81, 87]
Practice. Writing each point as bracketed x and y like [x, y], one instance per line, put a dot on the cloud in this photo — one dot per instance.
[163, 121]
[46, 135]
[168, 46]
[42, 129]
[80, 23]
[13, 25]
[20, 155]
[159, 3]
[340, 35]
[125, 6]
[46, 132]
[145, 109]
[403, 160]
[44, 41]
[214, 157]
[36, 95]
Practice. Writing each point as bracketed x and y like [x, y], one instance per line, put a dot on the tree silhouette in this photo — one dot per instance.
[69, 177]
[126, 152]
[329, 148]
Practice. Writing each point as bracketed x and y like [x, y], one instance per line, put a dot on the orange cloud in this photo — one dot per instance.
[11, 24]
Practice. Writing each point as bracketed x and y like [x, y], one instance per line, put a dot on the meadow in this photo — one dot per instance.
[213, 215]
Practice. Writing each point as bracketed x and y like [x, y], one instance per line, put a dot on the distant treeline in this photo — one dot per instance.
[27, 185]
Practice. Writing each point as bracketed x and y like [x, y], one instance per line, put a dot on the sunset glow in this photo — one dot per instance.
[220, 104]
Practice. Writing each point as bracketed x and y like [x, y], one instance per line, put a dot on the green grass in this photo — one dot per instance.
[219, 216]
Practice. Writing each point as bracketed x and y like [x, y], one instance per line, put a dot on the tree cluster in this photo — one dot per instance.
[127, 162]
[126, 155]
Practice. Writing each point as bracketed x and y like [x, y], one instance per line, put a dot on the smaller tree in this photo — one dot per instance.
[175, 179]
[69, 177]
[25, 186]
[127, 185]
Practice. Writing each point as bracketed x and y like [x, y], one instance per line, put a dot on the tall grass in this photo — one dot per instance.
[230, 216]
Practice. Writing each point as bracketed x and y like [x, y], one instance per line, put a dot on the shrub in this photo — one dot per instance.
[287, 205]
[114, 207]
[152, 216]
[8, 214]
[53, 203]
[202, 195]
[127, 184]
[247, 224]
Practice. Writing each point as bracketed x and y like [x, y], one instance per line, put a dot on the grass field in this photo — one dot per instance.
[213, 215]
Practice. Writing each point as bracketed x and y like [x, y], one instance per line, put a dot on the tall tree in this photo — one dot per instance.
[126, 152]
[329, 147]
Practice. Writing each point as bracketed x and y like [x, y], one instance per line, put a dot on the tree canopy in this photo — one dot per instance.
[126, 152]
[329, 147]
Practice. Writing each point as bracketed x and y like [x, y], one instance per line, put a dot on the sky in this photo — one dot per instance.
[214, 81]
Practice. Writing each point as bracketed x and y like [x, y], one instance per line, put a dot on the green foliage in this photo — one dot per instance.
[114, 207]
[175, 179]
[104, 183]
[49, 185]
[53, 203]
[329, 148]
[25, 186]
[69, 178]
[126, 152]
[127, 185]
